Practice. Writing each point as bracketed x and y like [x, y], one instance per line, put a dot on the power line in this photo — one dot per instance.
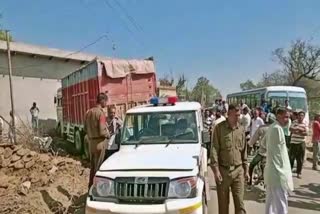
[107, 30]
[129, 17]
[68, 55]
[107, 3]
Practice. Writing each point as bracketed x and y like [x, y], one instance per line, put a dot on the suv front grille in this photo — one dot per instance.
[141, 189]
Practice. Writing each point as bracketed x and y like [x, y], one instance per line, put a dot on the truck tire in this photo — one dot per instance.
[58, 130]
[86, 154]
[78, 141]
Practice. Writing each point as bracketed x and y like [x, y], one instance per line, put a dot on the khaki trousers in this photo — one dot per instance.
[97, 148]
[233, 180]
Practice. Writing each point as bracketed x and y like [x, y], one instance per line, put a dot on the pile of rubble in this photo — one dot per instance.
[33, 182]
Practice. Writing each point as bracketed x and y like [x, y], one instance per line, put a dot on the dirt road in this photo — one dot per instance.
[306, 197]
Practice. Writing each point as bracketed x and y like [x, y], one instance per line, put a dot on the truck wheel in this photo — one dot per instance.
[58, 130]
[78, 141]
[86, 155]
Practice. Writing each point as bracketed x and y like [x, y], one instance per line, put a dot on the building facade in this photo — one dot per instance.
[37, 72]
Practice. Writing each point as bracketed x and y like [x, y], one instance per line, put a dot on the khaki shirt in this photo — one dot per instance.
[229, 147]
[95, 124]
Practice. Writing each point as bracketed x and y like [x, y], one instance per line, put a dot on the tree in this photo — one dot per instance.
[3, 36]
[302, 60]
[166, 81]
[271, 79]
[3, 33]
[181, 87]
[247, 85]
[204, 92]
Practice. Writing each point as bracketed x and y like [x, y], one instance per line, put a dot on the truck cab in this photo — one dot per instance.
[161, 166]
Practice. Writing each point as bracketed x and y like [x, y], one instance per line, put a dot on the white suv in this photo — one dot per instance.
[161, 166]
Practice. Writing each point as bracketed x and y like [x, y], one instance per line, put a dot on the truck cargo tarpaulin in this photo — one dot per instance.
[127, 83]
[122, 68]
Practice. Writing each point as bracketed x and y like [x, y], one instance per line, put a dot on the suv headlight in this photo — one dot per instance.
[183, 188]
[103, 187]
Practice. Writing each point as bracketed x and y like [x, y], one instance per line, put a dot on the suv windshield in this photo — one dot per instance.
[160, 128]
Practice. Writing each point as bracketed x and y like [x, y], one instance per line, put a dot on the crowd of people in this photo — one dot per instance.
[275, 135]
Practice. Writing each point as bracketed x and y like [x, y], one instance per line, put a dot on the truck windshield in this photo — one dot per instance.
[160, 128]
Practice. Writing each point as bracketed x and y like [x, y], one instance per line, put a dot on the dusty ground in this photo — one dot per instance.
[33, 182]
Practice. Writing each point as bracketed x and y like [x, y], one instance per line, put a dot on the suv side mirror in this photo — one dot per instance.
[206, 137]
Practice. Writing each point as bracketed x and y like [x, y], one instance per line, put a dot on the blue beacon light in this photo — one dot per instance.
[154, 101]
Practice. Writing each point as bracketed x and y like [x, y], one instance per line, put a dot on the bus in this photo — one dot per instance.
[296, 96]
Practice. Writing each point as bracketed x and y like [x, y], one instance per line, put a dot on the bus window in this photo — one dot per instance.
[251, 100]
[298, 100]
[278, 97]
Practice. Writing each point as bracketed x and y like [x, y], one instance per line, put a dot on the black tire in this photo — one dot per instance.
[58, 130]
[78, 141]
[86, 154]
[257, 172]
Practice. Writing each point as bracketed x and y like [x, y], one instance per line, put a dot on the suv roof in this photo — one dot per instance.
[179, 106]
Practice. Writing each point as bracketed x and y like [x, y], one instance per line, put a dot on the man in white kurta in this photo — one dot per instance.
[278, 176]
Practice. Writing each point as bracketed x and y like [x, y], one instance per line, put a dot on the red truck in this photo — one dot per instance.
[127, 83]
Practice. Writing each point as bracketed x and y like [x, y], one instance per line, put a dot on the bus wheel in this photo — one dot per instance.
[78, 141]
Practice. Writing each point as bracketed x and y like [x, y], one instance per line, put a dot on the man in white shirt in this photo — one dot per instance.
[277, 173]
[34, 111]
[287, 105]
[208, 120]
[245, 120]
[243, 105]
[219, 118]
[114, 124]
[257, 121]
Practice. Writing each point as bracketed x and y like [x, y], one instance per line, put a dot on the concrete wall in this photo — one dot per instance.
[27, 91]
[38, 66]
[35, 79]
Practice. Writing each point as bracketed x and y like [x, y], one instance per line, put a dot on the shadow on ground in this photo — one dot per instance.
[306, 197]
[255, 194]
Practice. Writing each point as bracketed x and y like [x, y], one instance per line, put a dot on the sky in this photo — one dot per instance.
[226, 41]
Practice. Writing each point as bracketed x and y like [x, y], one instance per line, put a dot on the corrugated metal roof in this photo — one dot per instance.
[51, 52]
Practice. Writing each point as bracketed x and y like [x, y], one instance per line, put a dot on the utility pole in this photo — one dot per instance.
[11, 88]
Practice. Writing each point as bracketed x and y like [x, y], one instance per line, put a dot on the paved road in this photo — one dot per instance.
[305, 200]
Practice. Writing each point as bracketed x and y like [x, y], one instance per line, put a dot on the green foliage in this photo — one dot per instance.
[204, 92]
[247, 85]
[182, 90]
[166, 81]
[3, 35]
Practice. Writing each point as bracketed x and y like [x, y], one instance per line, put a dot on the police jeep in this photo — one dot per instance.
[161, 165]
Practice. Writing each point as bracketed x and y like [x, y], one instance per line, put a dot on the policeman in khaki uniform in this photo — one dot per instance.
[97, 132]
[229, 161]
